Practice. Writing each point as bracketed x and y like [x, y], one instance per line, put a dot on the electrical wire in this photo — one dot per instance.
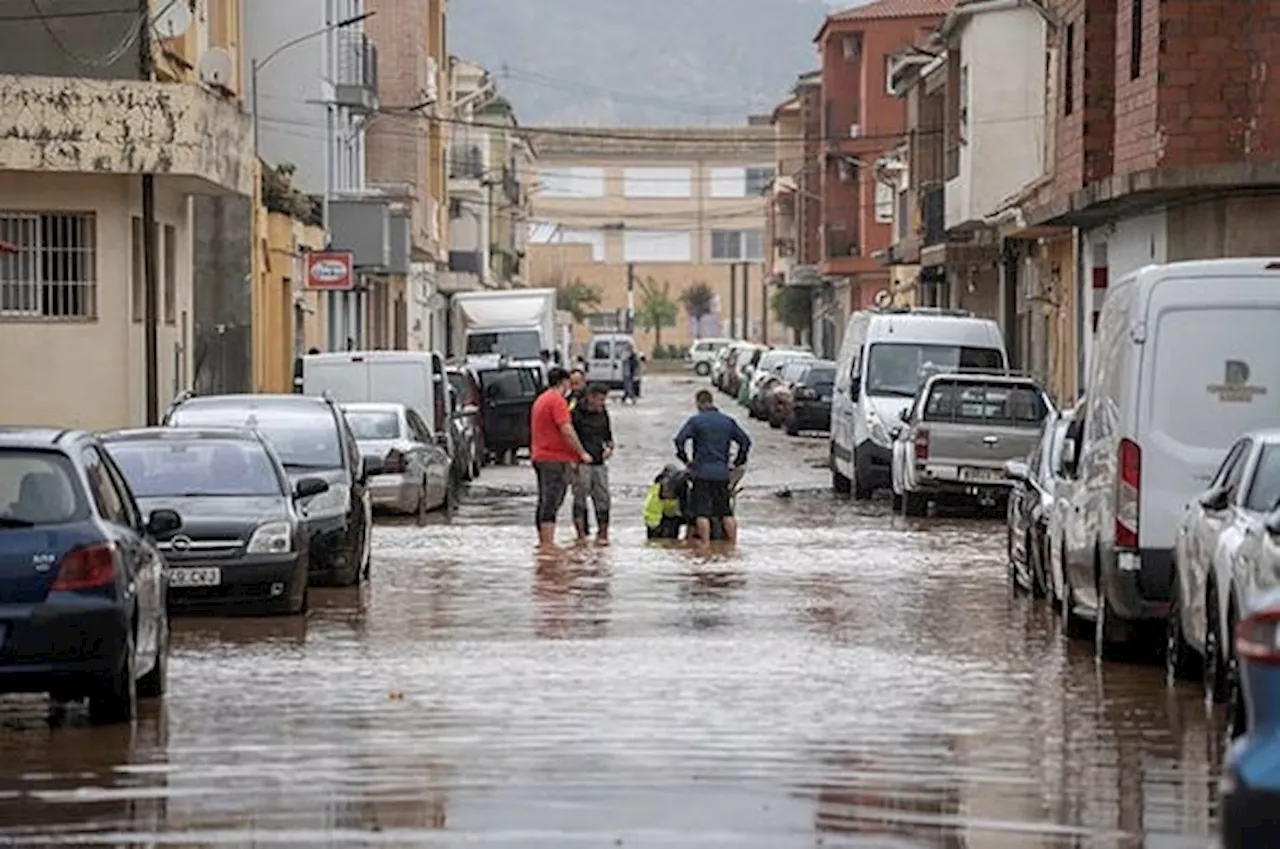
[82, 13]
[113, 56]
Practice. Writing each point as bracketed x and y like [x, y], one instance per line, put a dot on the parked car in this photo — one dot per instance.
[1250, 791]
[416, 473]
[1184, 362]
[885, 355]
[312, 439]
[508, 393]
[83, 588]
[243, 545]
[468, 419]
[1214, 579]
[721, 364]
[1031, 503]
[806, 405]
[768, 369]
[954, 442]
[1063, 481]
[702, 353]
[777, 393]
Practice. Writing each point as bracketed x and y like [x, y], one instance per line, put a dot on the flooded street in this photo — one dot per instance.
[846, 678]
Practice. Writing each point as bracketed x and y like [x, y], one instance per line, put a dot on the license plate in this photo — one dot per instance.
[195, 577]
[981, 475]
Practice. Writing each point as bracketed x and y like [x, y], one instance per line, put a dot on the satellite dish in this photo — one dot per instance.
[173, 20]
[214, 67]
[883, 298]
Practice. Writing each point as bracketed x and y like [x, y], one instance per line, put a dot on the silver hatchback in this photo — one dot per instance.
[415, 466]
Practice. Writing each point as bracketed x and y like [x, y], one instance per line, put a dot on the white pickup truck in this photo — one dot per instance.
[955, 439]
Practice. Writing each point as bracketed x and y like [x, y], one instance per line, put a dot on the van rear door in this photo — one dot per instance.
[405, 382]
[1210, 372]
[345, 377]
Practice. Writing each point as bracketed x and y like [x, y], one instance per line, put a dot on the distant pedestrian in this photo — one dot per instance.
[555, 451]
[712, 432]
[631, 376]
[595, 432]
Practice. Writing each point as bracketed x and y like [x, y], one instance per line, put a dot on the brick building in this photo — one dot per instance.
[861, 121]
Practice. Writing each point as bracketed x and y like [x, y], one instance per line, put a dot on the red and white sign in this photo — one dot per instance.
[330, 271]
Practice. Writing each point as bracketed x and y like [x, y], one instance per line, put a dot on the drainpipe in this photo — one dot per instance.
[150, 285]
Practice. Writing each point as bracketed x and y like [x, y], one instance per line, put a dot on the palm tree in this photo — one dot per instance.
[698, 301]
[655, 309]
[577, 298]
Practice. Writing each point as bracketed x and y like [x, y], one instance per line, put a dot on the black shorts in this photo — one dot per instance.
[553, 485]
[710, 499]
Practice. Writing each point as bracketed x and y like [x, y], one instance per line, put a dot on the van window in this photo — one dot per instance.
[600, 350]
[1264, 494]
[515, 344]
[897, 369]
[1214, 374]
[1004, 404]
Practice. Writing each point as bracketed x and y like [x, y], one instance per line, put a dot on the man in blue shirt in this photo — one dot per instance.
[712, 432]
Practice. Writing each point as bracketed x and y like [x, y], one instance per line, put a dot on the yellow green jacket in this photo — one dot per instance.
[657, 508]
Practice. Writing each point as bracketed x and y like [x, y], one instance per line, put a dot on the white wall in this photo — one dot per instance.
[1004, 52]
[1131, 244]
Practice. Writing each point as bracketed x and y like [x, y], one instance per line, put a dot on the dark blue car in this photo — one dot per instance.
[82, 585]
[1251, 775]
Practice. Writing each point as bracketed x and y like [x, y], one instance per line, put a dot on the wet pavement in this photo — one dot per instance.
[846, 678]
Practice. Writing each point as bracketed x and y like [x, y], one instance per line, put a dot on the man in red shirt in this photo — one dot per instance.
[555, 449]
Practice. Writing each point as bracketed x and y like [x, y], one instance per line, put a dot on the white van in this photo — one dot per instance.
[702, 354]
[1185, 360]
[605, 357]
[885, 355]
[413, 378]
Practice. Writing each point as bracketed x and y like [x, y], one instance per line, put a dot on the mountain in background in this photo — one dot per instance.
[656, 62]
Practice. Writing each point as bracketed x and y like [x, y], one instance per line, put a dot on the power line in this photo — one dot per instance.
[81, 13]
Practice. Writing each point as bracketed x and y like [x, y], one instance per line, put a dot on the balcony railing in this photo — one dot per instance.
[466, 163]
[357, 83]
[933, 214]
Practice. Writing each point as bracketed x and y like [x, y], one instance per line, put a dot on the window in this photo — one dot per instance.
[373, 424]
[111, 504]
[985, 403]
[308, 439]
[732, 245]
[884, 203]
[657, 246]
[738, 182]
[39, 487]
[206, 467]
[1234, 476]
[571, 182]
[898, 369]
[418, 428]
[1264, 493]
[48, 265]
[1135, 40]
[1069, 71]
[657, 182]
[851, 46]
[170, 274]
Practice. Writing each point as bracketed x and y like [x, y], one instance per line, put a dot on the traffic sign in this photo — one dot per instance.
[330, 271]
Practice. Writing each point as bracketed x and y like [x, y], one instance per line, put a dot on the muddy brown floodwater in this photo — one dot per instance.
[846, 678]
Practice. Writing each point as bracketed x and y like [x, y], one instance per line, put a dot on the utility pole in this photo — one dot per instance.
[631, 297]
[746, 300]
[733, 301]
[150, 285]
[764, 307]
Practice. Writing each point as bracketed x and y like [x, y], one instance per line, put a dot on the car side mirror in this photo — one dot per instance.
[904, 415]
[309, 487]
[1016, 470]
[1273, 523]
[1216, 499]
[163, 522]
[370, 467]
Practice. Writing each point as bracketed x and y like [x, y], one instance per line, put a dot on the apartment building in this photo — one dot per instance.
[115, 120]
[647, 213]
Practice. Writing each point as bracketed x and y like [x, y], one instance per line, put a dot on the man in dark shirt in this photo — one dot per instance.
[595, 431]
[712, 432]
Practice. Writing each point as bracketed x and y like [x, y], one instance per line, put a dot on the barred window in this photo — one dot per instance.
[48, 265]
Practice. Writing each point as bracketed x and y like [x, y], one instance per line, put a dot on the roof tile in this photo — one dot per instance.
[881, 9]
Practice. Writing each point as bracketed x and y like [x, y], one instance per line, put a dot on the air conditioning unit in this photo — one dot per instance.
[855, 131]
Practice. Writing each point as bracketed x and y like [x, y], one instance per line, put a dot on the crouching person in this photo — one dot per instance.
[664, 504]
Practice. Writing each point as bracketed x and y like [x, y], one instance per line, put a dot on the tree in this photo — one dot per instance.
[698, 301]
[794, 308]
[577, 298]
[655, 309]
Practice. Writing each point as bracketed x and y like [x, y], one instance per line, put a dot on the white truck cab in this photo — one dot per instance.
[1186, 359]
[885, 356]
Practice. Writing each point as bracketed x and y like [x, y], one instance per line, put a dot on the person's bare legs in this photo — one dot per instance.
[703, 527]
[547, 534]
[602, 532]
[730, 529]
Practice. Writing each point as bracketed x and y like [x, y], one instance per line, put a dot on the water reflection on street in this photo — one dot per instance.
[845, 678]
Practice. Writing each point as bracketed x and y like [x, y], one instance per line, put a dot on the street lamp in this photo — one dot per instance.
[257, 65]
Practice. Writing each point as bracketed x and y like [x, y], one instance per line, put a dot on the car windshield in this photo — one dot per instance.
[1264, 494]
[38, 488]
[821, 376]
[158, 468]
[898, 369]
[516, 344]
[964, 402]
[374, 424]
[305, 439]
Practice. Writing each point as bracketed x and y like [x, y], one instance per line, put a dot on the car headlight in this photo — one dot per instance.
[271, 538]
[332, 502]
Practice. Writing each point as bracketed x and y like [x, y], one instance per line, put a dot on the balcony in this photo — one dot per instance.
[357, 85]
[933, 214]
[841, 244]
[72, 124]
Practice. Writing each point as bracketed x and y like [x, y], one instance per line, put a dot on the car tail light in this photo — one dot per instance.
[1258, 638]
[395, 462]
[1128, 492]
[922, 445]
[86, 568]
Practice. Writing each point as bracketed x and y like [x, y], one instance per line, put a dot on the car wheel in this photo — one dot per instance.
[153, 684]
[1180, 660]
[1237, 710]
[116, 698]
[1215, 672]
[702, 369]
